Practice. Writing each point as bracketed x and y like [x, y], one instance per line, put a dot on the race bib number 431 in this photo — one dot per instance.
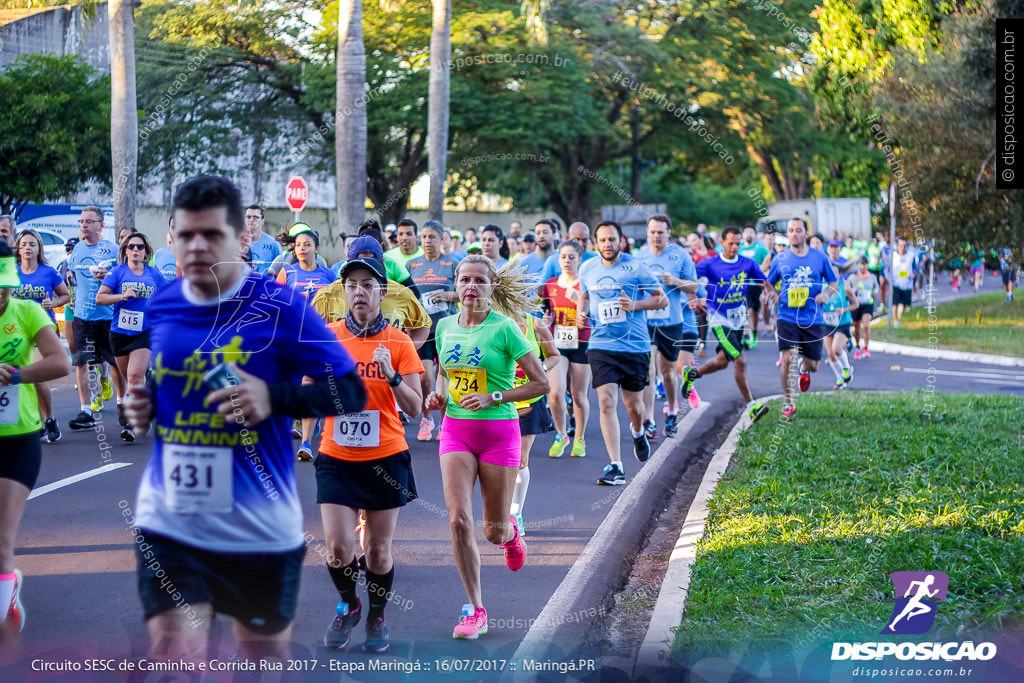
[197, 479]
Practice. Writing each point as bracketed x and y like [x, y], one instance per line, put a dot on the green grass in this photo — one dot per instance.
[815, 513]
[956, 326]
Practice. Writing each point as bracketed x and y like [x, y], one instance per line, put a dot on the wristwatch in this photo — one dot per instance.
[496, 397]
[15, 377]
[396, 380]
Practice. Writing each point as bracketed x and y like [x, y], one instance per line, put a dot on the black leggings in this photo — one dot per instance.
[20, 458]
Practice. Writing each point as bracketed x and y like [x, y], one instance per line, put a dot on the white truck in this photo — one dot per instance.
[825, 216]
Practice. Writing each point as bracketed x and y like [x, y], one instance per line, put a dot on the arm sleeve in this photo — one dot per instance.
[331, 396]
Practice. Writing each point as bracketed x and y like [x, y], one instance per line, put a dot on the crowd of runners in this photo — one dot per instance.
[226, 344]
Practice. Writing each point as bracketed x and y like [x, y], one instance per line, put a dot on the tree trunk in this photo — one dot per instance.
[764, 160]
[350, 117]
[437, 115]
[124, 112]
[257, 168]
[636, 171]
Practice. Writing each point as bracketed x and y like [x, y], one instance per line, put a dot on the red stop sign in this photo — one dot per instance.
[296, 193]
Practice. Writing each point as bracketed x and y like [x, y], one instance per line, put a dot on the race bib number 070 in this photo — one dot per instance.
[358, 430]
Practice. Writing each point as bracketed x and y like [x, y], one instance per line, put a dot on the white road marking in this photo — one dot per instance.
[1000, 383]
[67, 481]
[956, 373]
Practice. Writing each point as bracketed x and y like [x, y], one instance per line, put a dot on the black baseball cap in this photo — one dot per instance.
[371, 264]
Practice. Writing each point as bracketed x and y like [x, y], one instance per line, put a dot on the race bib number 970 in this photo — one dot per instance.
[197, 479]
[358, 430]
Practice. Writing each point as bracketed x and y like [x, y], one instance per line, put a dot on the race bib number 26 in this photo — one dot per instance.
[9, 397]
[566, 337]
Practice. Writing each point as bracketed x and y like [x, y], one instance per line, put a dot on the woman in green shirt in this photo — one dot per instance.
[478, 351]
[24, 326]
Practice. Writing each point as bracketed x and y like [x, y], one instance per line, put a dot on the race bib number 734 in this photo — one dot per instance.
[462, 381]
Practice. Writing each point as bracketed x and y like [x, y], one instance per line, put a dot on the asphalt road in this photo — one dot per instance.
[76, 551]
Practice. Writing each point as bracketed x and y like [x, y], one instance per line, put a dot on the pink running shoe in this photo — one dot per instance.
[856, 353]
[473, 624]
[515, 550]
[694, 399]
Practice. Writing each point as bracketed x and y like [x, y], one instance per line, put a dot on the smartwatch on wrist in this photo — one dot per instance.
[496, 397]
[396, 380]
[15, 377]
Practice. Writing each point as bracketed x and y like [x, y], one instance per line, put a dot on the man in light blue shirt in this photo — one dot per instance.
[616, 293]
[577, 231]
[90, 261]
[263, 247]
[673, 329]
[546, 234]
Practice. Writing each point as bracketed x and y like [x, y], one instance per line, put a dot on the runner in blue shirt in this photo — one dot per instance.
[309, 278]
[577, 231]
[808, 282]
[546, 235]
[90, 261]
[673, 329]
[728, 278]
[165, 260]
[218, 510]
[838, 316]
[262, 247]
[128, 288]
[615, 294]
[41, 283]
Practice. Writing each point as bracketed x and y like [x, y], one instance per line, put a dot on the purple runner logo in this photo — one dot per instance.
[913, 613]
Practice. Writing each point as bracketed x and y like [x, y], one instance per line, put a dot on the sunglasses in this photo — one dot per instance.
[135, 246]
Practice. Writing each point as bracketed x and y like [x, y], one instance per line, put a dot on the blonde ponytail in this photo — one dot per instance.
[514, 292]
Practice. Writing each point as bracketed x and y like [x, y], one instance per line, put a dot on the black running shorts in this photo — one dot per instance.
[260, 590]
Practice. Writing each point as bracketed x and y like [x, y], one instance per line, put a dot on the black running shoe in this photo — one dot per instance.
[339, 633]
[128, 434]
[83, 421]
[613, 476]
[378, 638]
[52, 430]
[641, 448]
[671, 426]
[689, 379]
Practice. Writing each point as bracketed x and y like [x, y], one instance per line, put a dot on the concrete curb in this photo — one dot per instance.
[604, 561]
[944, 354]
[668, 610]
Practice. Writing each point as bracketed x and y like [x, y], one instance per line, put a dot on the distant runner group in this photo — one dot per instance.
[224, 347]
